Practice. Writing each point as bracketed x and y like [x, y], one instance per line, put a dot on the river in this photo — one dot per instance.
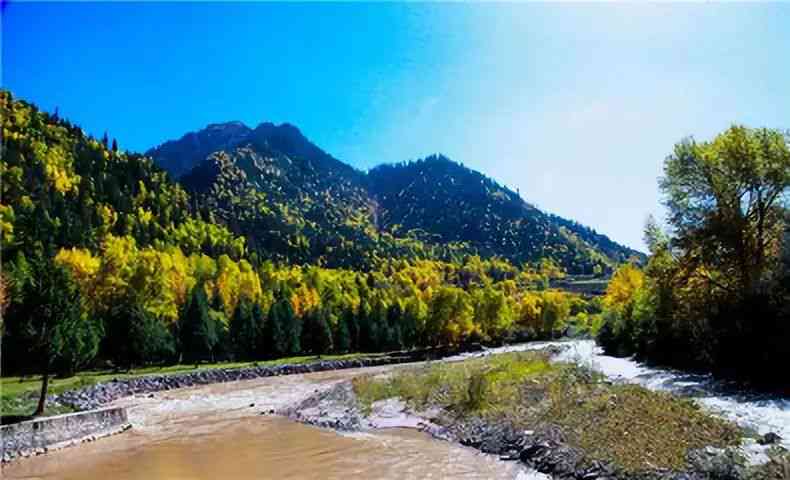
[219, 431]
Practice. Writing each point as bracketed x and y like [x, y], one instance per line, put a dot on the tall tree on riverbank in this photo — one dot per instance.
[726, 201]
[713, 294]
[51, 325]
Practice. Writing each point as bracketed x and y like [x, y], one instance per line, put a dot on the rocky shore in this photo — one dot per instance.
[544, 450]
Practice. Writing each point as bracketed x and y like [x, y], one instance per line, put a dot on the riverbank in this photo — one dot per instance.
[19, 394]
[86, 392]
[561, 419]
[231, 430]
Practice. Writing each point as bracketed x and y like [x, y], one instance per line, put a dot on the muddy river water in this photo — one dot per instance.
[219, 432]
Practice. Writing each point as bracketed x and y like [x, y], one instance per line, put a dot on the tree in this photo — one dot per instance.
[243, 331]
[197, 329]
[134, 336]
[726, 201]
[292, 329]
[114, 145]
[394, 339]
[316, 333]
[277, 329]
[342, 342]
[52, 323]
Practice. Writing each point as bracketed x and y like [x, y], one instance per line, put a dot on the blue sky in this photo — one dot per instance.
[576, 105]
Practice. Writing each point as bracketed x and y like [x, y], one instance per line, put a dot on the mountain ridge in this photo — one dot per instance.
[251, 173]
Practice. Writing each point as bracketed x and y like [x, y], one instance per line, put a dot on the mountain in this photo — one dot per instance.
[452, 203]
[180, 156]
[294, 202]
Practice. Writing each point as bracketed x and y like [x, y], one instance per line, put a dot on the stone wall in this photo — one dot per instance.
[43, 434]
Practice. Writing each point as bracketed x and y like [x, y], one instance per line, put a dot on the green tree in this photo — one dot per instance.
[275, 333]
[52, 323]
[243, 331]
[316, 332]
[134, 336]
[342, 342]
[198, 329]
[726, 201]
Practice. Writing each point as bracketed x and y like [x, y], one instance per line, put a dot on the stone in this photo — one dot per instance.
[769, 438]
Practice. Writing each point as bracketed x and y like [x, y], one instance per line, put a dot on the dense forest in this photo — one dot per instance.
[715, 293]
[106, 260]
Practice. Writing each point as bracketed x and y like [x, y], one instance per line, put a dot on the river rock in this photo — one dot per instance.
[769, 438]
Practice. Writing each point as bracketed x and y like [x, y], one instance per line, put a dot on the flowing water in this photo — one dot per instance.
[218, 432]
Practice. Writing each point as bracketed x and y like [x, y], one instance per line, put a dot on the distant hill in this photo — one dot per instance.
[295, 202]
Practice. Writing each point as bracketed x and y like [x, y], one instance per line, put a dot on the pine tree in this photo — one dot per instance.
[316, 332]
[342, 341]
[243, 331]
[114, 145]
[275, 342]
[198, 332]
[292, 328]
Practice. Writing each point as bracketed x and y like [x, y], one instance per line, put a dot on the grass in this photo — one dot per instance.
[634, 428]
[19, 394]
[477, 385]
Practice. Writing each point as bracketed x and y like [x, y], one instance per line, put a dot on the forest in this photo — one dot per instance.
[107, 261]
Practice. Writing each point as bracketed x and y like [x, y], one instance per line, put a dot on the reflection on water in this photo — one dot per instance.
[262, 448]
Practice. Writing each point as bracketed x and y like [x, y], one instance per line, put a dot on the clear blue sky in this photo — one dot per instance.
[575, 105]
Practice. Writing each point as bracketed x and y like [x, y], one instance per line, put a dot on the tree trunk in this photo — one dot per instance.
[42, 400]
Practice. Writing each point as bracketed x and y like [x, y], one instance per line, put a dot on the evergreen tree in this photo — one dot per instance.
[275, 341]
[292, 328]
[114, 145]
[198, 332]
[243, 331]
[220, 323]
[316, 332]
[394, 334]
[134, 337]
[342, 341]
[368, 329]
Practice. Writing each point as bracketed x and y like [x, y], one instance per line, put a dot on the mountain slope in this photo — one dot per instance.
[180, 156]
[450, 202]
[294, 202]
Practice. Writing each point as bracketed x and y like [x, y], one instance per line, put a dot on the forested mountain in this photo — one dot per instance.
[294, 202]
[451, 203]
[105, 258]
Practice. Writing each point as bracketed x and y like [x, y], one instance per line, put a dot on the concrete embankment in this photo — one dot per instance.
[50, 433]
